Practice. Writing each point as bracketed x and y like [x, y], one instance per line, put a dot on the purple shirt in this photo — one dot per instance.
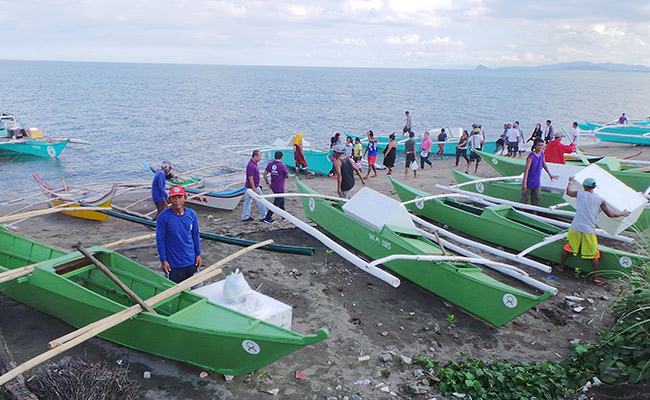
[254, 171]
[279, 173]
[535, 171]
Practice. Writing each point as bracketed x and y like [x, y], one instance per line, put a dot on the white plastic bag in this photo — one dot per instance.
[414, 166]
[235, 288]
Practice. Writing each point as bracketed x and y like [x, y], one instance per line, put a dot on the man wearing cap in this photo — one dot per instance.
[158, 192]
[177, 238]
[582, 232]
[279, 173]
[253, 182]
[555, 149]
[345, 170]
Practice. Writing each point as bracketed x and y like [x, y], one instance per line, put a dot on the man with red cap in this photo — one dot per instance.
[177, 238]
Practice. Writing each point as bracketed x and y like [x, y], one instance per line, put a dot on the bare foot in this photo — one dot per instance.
[598, 281]
[560, 268]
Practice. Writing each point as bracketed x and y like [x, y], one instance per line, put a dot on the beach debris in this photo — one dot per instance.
[385, 389]
[146, 375]
[385, 358]
[436, 329]
[119, 362]
[597, 382]
[405, 359]
[574, 341]
[379, 324]
[447, 304]
[411, 313]
[574, 299]
[364, 358]
[413, 388]
[338, 387]
[300, 375]
[578, 309]
[590, 301]
[228, 378]
[203, 374]
[459, 395]
[603, 297]
[548, 278]
[363, 382]
[272, 392]
[384, 333]
[332, 398]
[417, 373]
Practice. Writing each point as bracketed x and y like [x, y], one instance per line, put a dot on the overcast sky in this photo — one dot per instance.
[352, 33]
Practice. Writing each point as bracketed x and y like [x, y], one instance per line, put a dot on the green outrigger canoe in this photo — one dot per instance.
[187, 327]
[511, 190]
[503, 225]
[638, 180]
[461, 283]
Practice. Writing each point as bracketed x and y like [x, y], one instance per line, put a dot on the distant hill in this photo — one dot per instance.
[575, 66]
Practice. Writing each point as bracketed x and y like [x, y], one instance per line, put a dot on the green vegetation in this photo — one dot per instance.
[621, 355]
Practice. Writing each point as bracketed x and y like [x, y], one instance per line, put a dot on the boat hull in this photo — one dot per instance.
[187, 327]
[460, 283]
[504, 226]
[35, 148]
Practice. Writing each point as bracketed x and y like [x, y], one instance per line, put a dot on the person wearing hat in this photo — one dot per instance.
[177, 238]
[475, 143]
[345, 170]
[158, 192]
[555, 149]
[582, 232]
[299, 156]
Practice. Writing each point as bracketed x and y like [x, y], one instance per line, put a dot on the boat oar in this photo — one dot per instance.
[122, 242]
[580, 154]
[81, 335]
[112, 277]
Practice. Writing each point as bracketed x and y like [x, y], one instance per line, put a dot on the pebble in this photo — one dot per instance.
[411, 313]
[346, 398]
[417, 373]
[385, 358]
[412, 388]
[273, 392]
[364, 358]
[332, 398]
[338, 387]
[578, 309]
[146, 375]
[228, 378]
[363, 382]
[446, 304]
[401, 328]
[385, 389]
[405, 359]
[384, 334]
[379, 324]
[574, 341]
[431, 349]
[590, 301]
[603, 297]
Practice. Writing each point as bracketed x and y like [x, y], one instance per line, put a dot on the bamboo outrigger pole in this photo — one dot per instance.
[81, 335]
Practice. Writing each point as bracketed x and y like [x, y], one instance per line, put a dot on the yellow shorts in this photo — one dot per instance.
[585, 243]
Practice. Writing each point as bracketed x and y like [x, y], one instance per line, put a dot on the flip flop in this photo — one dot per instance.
[598, 282]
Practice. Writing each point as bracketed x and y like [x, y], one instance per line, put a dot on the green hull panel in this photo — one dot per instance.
[504, 226]
[511, 190]
[187, 327]
[460, 283]
[508, 166]
[317, 161]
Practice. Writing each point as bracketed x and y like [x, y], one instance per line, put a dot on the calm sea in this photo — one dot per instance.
[185, 113]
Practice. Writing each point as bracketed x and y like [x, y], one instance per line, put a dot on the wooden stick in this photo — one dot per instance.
[202, 169]
[442, 248]
[114, 278]
[207, 273]
[79, 336]
[37, 213]
[122, 242]
[129, 212]
[16, 273]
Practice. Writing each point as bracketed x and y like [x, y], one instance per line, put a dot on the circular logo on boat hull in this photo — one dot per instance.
[312, 204]
[510, 300]
[625, 262]
[419, 204]
[51, 151]
[250, 347]
[495, 161]
[479, 187]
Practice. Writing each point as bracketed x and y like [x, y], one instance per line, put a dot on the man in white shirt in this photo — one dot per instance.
[576, 133]
[513, 141]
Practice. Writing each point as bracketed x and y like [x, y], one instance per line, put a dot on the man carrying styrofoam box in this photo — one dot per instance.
[615, 193]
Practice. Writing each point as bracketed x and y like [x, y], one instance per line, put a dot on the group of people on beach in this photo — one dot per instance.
[511, 141]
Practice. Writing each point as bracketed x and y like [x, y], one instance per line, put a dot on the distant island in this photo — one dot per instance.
[573, 66]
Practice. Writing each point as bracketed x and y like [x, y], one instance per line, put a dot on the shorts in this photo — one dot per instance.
[585, 243]
[178, 275]
[473, 156]
[500, 141]
[410, 157]
[371, 160]
[512, 147]
[301, 163]
[441, 147]
[408, 162]
[534, 194]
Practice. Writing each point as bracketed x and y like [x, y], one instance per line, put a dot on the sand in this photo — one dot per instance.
[365, 316]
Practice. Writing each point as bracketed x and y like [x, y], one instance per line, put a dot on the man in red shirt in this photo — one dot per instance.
[555, 150]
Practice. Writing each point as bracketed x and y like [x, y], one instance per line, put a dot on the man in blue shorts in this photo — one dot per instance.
[177, 238]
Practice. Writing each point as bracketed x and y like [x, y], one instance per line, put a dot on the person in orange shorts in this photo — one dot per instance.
[582, 232]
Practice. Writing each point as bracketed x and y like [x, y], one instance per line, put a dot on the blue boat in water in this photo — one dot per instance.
[14, 138]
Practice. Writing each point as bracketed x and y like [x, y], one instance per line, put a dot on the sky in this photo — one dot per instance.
[345, 33]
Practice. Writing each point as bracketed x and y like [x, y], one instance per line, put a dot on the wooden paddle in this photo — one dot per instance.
[81, 335]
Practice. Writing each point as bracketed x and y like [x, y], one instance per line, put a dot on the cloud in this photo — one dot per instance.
[350, 42]
[413, 40]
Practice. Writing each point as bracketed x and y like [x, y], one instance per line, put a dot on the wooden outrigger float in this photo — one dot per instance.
[387, 230]
[184, 326]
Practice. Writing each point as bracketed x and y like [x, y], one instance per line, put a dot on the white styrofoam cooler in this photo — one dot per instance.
[256, 305]
[618, 196]
[377, 209]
